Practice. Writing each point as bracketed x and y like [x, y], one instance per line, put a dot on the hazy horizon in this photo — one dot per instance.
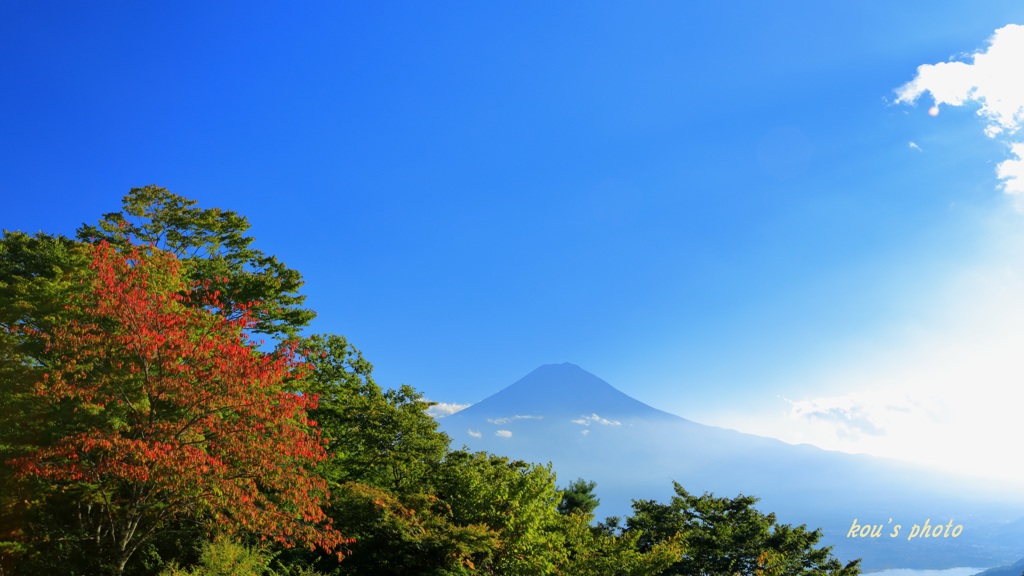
[511, 416]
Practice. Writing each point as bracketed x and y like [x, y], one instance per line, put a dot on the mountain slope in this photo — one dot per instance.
[586, 428]
[560, 389]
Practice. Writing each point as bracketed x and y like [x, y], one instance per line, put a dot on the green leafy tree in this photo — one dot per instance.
[382, 446]
[225, 557]
[597, 551]
[602, 549]
[726, 536]
[579, 497]
[216, 253]
[39, 274]
[381, 438]
[412, 535]
[514, 499]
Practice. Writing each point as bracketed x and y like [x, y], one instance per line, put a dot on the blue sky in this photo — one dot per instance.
[728, 210]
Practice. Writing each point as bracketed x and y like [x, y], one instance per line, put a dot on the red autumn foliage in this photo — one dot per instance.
[177, 413]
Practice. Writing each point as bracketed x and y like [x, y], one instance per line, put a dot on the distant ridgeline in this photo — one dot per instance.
[889, 513]
[1015, 569]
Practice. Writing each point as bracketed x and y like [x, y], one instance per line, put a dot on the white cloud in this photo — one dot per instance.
[849, 416]
[585, 432]
[1011, 171]
[503, 433]
[442, 409]
[474, 433]
[595, 419]
[858, 414]
[991, 79]
[914, 146]
[506, 420]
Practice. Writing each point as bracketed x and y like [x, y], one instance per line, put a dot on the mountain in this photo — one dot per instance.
[587, 428]
[561, 389]
[1015, 569]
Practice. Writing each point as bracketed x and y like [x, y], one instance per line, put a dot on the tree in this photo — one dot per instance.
[173, 413]
[38, 275]
[602, 549]
[214, 250]
[381, 448]
[223, 557]
[410, 535]
[579, 497]
[726, 536]
[381, 438]
[514, 499]
[598, 551]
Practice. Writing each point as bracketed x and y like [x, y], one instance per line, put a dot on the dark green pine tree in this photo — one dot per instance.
[579, 497]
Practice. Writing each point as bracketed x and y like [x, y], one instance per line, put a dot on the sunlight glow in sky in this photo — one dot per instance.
[945, 395]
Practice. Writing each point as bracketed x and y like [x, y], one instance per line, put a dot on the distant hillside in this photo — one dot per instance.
[587, 428]
[1015, 569]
